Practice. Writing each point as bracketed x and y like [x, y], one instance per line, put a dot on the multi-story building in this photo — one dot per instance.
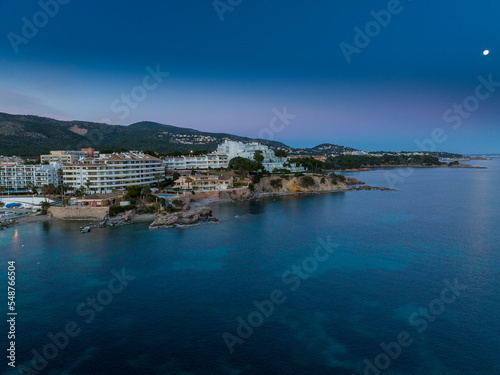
[196, 162]
[68, 157]
[204, 183]
[113, 171]
[247, 150]
[10, 160]
[22, 177]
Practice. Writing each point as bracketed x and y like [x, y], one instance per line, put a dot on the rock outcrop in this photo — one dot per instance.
[289, 184]
[7, 223]
[192, 216]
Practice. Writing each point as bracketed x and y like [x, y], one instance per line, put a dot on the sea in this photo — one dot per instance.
[402, 282]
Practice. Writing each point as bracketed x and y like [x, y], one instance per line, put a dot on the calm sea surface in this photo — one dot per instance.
[381, 278]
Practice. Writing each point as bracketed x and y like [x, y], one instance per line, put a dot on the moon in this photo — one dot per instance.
[486, 52]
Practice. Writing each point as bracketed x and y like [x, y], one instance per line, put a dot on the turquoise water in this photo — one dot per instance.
[390, 254]
[166, 195]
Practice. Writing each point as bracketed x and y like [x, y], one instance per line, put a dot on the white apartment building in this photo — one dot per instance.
[22, 177]
[247, 150]
[68, 157]
[196, 162]
[113, 171]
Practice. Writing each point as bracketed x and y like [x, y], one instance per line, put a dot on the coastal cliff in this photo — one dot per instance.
[311, 183]
[291, 184]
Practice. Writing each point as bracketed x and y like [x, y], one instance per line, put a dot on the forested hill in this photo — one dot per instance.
[26, 135]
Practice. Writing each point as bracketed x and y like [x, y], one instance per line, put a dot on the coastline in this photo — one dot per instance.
[388, 166]
[121, 219]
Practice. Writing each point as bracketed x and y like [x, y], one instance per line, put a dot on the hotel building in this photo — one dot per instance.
[204, 183]
[113, 171]
[68, 157]
[22, 177]
[196, 162]
[247, 150]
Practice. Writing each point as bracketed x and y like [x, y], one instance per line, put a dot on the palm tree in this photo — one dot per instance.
[33, 188]
[146, 190]
[158, 176]
[189, 180]
[87, 185]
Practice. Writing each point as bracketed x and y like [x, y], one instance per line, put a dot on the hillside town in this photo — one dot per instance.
[63, 182]
[93, 179]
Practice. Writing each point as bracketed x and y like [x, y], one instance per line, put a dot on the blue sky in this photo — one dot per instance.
[234, 74]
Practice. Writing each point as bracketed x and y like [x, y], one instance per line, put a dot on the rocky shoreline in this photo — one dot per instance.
[7, 223]
[200, 212]
[192, 216]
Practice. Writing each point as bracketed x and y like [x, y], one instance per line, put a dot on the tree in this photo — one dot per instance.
[134, 191]
[244, 165]
[49, 189]
[277, 183]
[189, 180]
[310, 163]
[178, 203]
[87, 185]
[146, 190]
[158, 177]
[79, 192]
[176, 176]
[307, 181]
[258, 157]
[45, 207]
[280, 153]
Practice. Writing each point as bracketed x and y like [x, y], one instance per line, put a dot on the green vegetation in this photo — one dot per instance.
[337, 177]
[115, 210]
[311, 164]
[251, 186]
[134, 191]
[258, 157]
[277, 183]
[359, 161]
[244, 165]
[178, 203]
[307, 181]
[256, 179]
[280, 153]
[240, 184]
[45, 207]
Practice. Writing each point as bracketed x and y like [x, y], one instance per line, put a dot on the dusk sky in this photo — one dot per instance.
[232, 67]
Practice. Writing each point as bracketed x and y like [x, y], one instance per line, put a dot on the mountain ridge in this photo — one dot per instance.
[32, 135]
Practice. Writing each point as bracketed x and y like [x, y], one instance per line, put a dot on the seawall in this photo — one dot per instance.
[78, 213]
